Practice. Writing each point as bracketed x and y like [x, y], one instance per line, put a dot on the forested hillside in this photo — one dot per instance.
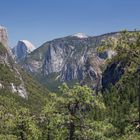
[78, 113]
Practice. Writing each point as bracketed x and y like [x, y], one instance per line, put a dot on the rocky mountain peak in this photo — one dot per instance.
[29, 45]
[22, 49]
[80, 35]
[10, 77]
[3, 36]
[69, 59]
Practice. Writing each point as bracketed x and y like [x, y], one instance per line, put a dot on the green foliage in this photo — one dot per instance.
[15, 121]
[74, 115]
[122, 99]
[12, 73]
[36, 93]
[2, 49]
[25, 125]
[8, 137]
[50, 81]
[7, 76]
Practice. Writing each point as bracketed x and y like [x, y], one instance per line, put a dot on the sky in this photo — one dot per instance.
[42, 20]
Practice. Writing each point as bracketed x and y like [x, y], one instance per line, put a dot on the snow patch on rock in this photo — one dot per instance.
[80, 35]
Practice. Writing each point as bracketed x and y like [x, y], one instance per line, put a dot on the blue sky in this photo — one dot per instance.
[42, 20]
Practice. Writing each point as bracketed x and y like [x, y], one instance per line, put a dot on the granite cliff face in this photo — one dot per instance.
[22, 49]
[112, 74]
[72, 58]
[10, 77]
[3, 36]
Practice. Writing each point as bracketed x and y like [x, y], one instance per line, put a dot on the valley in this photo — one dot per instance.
[77, 87]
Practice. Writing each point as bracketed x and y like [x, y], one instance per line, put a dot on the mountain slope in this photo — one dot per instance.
[22, 49]
[3, 36]
[70, 59]
[15, 83]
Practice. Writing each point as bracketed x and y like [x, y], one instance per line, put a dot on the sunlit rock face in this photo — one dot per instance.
[4, 42]
[22, 49]
[72, 58]
[8, 66]
[3, 36]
